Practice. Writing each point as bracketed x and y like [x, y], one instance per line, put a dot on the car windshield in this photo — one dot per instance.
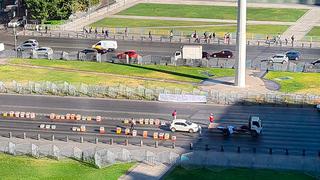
[188, 122]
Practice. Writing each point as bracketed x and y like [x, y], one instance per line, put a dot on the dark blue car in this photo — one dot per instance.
[293, 55]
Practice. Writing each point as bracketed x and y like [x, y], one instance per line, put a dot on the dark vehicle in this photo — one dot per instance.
[205, 55]
[223, 54]
[89, 51]
[293, 55]
[316, 62]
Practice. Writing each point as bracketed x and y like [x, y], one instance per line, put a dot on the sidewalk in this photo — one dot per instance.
[146, 172]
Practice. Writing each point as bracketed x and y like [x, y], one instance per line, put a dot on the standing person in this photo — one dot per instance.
[90, 30]
[213, 35]
[267, 37]
[211, 118]
[133, 123]
[96, 31]
[126, 32]
[174, 114]
[292, 39]
[171, 34]
[46, 28]
[102, 31]
[107, 33]
[150, 36]
[286, 40]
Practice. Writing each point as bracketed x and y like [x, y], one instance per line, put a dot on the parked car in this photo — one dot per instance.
[26, 46]
[131, 54]
[184, 125]
[89, 51]
[32, 41]
[316, 62]
[16, 22]
[223, 54]
[205, 55]
[279, 58]
[43, 51]
[293, 55]
[318, 107]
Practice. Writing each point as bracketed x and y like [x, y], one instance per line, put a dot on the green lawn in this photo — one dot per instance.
[26, 168]
[54, 22]
[213, 12]
[221, 30]
[180, 173]
[23, 75]
[130, 23]
[296, 82]
[179, 73]
[315, 31]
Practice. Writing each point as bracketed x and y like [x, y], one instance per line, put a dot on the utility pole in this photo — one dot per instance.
[240, 79]
[15, 38]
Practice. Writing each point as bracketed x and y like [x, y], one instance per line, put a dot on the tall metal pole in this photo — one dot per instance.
[240, 79]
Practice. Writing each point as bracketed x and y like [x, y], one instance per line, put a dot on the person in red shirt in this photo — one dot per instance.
[174, 114]
[211, 118]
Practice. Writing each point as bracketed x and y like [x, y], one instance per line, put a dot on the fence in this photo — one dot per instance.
[100, 157]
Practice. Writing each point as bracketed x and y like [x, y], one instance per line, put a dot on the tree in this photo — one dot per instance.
[38, 9]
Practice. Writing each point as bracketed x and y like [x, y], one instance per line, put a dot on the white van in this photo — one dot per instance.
[105, 45]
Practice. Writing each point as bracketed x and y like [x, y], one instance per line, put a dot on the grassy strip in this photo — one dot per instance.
[179, 73]
[221, 30]
[315, 31]
[180, 173]
[130, 23]
[213, 12]
[296, 82]
[10, 73]
[22, 167]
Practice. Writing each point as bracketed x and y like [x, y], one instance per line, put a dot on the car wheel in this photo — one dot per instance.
[173, 129]
[190, 130]
[283, 62]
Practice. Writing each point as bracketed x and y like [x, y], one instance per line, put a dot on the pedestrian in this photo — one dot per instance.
[174, 114]
[211, 118]
[107, 33]
[37, 27]
[267, 37]
[133, 123]
[84, 29]
[90, 30]
[213, 35]
[96, 31]
[171, 34]
[150, 36]
[102, 31]
[126, 32]
[292, 39]
[46, 28]
[286, 40]
[228, 38]
[200, 130]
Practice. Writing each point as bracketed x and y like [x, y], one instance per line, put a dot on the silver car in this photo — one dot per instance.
[26, 46]
[32, 41]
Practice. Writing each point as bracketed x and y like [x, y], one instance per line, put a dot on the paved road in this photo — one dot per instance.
[156, 48]
[284, 127]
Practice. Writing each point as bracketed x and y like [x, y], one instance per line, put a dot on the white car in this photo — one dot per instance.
[32, 41]
[279, 58]
[184, 125]
[43, 51]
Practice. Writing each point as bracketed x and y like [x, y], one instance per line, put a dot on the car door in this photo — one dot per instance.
[184, 127]
[178, 126]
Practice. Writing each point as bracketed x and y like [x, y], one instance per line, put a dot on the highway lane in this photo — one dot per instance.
[255, 53]
[284, 127]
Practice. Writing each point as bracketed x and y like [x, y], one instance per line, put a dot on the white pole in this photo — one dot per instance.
[240, 79]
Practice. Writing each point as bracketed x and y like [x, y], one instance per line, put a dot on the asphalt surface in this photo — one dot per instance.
[289, 128]
[254, 53]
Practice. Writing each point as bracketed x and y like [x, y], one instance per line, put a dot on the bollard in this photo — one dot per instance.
[248, 43]
[111, 141]
[302, 45]
[68, 35]
[156, 144]
[59, 34]
[77, 35]
[189, 40]
[96, 140]
[141, 38]
[67, 138]
[173, 145]
[10, 134]
[50, 34]
[258, 43]
[81, 139]
[132, 37]
[207, 147]
[52, 138]
[254, 150]
[238, 149]
[287, 152]
[270, 150]
[126, 142]
[114, 36]
[191, 146]
[303, 152]
[24, 135]
[141, 142]
[38, 137]
[310, 45]
[160, 39]
[221, 149]
[180, 40]
[122, 37]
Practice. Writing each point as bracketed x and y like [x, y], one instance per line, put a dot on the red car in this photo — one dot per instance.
[223, 54]
[131, 54]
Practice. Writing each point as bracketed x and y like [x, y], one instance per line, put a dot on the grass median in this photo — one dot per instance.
[130, 23]
[161, 72]
[213, 12]
[22, 167]
[220, 173]
[293, 82]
